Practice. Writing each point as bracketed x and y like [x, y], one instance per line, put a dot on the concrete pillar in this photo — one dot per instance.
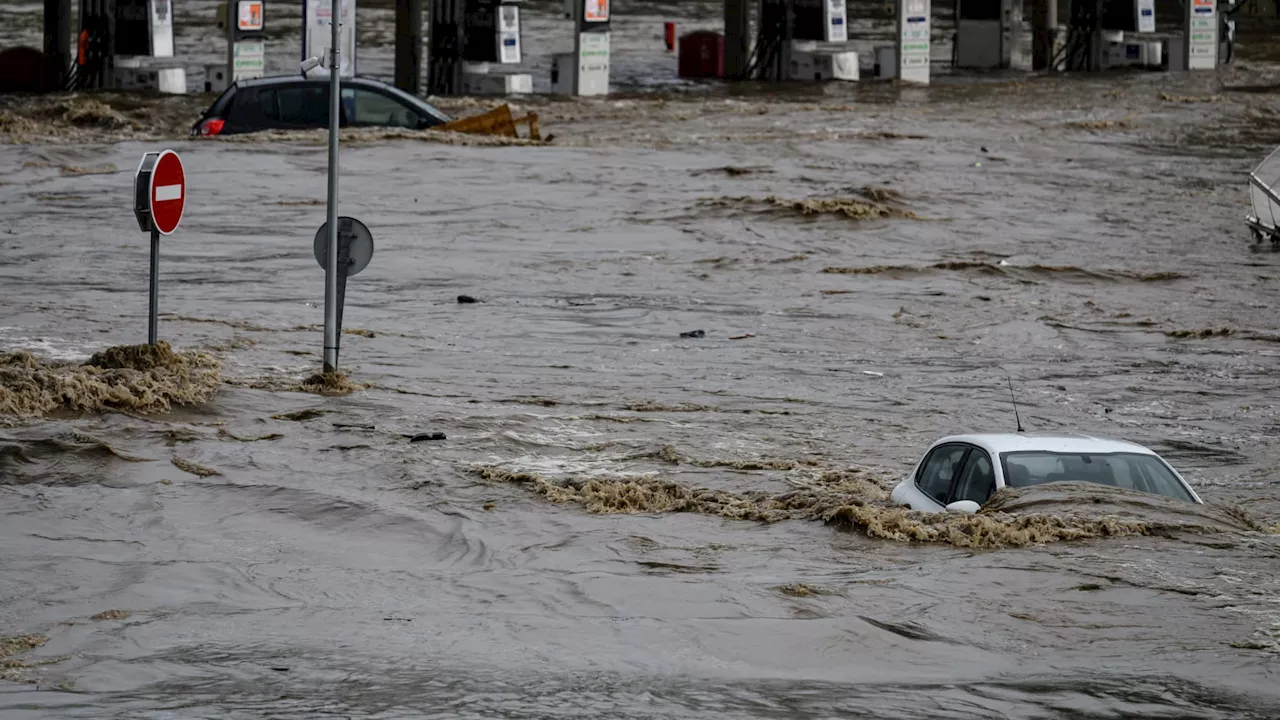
[737, 37]
[1044, 33]
[57, 43]
[409, 45]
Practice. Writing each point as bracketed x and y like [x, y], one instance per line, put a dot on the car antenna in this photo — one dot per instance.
[1015, 403]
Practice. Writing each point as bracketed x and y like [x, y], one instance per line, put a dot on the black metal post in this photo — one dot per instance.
[153, 316]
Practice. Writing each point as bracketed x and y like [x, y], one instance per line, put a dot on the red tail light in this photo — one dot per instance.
[212, 126]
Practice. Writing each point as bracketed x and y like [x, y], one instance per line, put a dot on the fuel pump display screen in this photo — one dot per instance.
[597, 11]
[249, 15]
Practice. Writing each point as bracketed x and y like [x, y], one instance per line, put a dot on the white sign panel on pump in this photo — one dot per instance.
[836, 16]
[1202, 35]
[593, 63]
[509, 34]
[913, 41]
[161, 28]
[1146, 16]
[316, 32]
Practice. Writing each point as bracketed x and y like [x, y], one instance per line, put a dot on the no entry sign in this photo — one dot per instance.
[160, 192]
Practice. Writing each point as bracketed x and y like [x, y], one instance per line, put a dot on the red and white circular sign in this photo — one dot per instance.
[168, 192]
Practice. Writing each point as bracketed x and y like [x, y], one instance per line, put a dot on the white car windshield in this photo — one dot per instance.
[1133, 471]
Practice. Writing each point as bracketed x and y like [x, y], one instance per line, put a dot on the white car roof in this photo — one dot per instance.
[1048, 442]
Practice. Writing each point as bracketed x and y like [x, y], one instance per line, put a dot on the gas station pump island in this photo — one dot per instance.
[475, 46]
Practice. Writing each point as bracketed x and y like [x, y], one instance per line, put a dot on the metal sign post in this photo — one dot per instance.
[159, 197]
[354, 251]
[331, 262]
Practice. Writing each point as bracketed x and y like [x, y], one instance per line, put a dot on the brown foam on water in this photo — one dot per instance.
[1199, 334]
[331, 383]
[13, 669]
[10, 646]
[137, 378]
[851, 208]
[1190, 98]
[671, 455]
[852, 499]
[987, 268]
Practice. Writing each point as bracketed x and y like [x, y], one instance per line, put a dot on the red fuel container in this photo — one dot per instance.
[702, 55]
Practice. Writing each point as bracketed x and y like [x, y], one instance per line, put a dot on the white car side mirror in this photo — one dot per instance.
[964, 507]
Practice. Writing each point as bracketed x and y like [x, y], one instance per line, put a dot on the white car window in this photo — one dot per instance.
[938, 470]
[979, 480]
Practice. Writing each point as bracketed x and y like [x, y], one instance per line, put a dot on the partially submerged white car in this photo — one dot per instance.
[960, 473]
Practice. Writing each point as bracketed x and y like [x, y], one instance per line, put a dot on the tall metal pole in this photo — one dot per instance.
[153, 315]
[331, 261]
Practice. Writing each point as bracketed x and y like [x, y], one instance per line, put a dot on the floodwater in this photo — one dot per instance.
[624, 522]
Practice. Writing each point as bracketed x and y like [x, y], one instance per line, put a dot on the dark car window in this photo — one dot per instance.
[365, 107]
[295, 106]
[1132, 471]
[268, 104]
[977, 480]
[939, 469]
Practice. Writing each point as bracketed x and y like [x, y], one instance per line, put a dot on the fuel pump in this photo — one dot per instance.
[142, 43]
[246, 40]
[787, 37]
[472, 44]
[585, 71]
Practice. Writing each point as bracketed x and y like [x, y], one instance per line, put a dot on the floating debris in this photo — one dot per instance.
[301, 415]
[248, 438]
[190, 467]
[112, 615]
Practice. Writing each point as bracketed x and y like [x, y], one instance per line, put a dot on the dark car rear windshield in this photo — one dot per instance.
[1133, 471]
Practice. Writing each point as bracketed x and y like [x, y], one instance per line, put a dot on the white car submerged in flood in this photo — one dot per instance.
[960, 473]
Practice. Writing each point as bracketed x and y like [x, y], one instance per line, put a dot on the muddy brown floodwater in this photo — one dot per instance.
[623, 521]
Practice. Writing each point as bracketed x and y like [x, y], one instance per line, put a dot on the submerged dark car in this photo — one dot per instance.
[294, 102]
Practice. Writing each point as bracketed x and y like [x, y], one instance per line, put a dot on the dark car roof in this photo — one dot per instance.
[289, 79]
